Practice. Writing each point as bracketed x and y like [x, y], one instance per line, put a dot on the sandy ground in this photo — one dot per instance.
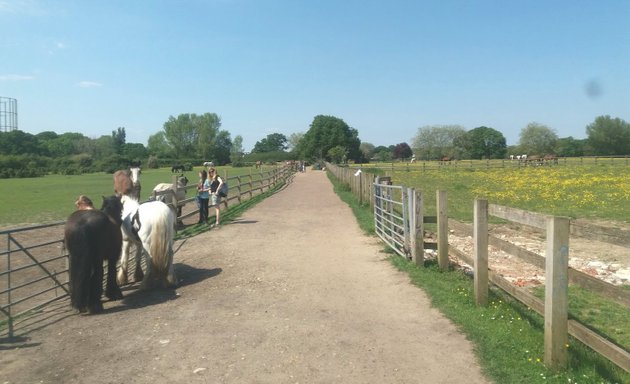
[291, 292]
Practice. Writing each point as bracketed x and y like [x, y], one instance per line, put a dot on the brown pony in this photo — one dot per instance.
[127, 182]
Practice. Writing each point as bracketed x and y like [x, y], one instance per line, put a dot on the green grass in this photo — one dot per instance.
[507, 336]
[608, 318]
[594, 190]
[51, 198]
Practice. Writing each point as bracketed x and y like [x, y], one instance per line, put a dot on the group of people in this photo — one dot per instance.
[210, 184]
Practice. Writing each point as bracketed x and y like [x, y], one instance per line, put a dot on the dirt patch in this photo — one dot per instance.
[291, 292]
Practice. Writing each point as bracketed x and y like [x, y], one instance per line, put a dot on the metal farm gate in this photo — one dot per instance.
[391, 221]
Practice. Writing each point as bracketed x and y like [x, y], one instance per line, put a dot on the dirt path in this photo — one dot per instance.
[292, 292]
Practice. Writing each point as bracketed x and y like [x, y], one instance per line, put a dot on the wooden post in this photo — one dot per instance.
[480, 250]
[556, 292]
[442, 224]
[238, 179]
[173, 192]
[417, 229]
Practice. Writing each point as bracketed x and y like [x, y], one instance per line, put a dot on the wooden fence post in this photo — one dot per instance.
[556, 292]
[417, 229]
[442, 224]
[480, 250]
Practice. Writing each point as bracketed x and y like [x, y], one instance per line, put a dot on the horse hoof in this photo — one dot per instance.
[117, 295]
[98, 308]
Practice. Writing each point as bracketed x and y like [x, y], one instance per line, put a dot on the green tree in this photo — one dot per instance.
[157, 146]
[119, 137]
[325, 133]
[275, 142]
[236, 152]
[570, 147]
[191, 134]
[538, 139]
[19, 143]
[337, 154]
[608, 136]
[434, 142]
[294, 140]
[367, 149]
[484, 143]
[221, 149]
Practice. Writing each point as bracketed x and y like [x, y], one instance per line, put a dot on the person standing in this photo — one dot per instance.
[216, 182]
[203, 194]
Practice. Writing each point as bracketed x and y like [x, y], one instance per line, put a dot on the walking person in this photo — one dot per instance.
[203, 194]
[216, 182]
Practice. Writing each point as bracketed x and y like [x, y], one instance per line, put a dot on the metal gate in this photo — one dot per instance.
[391, 223]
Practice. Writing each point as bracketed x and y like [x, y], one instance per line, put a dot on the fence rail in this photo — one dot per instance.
[34, 261]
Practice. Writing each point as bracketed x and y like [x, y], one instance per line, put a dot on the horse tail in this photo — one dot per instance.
[161, 246]
[83, 267]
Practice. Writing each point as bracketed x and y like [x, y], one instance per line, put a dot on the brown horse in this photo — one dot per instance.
[127, 182]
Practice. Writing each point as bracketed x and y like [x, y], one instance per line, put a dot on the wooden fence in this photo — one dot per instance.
[399, 220]
[34, 261]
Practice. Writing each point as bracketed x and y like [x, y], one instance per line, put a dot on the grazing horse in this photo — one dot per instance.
[92, 237]
[151, 227]
[179, 193]
[177, 168]
[127, 182]
[258, 164]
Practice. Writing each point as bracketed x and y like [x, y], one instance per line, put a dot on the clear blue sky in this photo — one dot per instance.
[386, 68]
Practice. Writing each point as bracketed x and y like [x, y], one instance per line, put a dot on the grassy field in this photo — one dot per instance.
[508, 336]
[51, 198]
[593, 190]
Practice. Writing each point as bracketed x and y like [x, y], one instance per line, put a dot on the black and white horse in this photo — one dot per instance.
[151, 227]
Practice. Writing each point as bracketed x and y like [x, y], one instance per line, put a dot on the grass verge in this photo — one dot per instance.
[507, 336]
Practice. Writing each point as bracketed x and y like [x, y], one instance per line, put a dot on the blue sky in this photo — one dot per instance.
[386, 68]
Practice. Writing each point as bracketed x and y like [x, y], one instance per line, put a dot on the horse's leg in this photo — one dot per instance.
[112, 290]
[96, 286]
[124, 260]
[148, 276]
[171, 279]
[138, 275]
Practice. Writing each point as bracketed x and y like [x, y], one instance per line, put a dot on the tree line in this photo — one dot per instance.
[192, 139]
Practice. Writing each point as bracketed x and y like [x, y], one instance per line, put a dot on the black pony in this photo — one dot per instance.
[177, 168]
[92, 237]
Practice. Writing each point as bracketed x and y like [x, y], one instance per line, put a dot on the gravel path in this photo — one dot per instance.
[291, 292]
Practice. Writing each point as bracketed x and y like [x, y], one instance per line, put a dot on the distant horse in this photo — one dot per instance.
[177, 168]
[258, 164]
[92, 237]
[151, 227]
[208, 164]
[127, 182]
[167, 198]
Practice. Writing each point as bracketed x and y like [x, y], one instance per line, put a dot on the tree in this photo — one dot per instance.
[19, 143]
[157, 146]
[608, 136]
[275, 142]
[538, 139]
[402, 151]
[294, 140]
[192, 134]
[119, 138]
[325, 133]
[222, 146]
[367, 149]
[484, 143]
[434, 142]
[570, 147]
[236, 152]
[337, 154]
